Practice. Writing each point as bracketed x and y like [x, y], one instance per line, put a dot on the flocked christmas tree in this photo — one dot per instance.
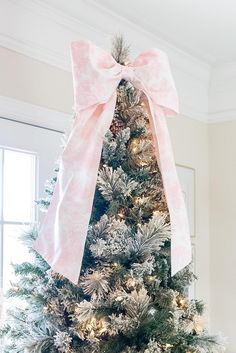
[126, 300]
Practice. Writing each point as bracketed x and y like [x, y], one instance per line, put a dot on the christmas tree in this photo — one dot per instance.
[126, 300]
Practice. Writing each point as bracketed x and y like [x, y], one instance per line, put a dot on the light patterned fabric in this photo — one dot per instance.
[96, 76]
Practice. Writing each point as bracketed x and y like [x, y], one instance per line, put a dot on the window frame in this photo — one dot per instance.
[35, 210]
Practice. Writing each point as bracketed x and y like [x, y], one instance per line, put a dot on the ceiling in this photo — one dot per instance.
[205, 29]
[197, 35]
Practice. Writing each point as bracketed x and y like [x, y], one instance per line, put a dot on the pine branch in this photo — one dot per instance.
[120, 50]
[115, 184]
[114, 147]
[207, 343]
[151, 236]
[28, 237]
[27, 268]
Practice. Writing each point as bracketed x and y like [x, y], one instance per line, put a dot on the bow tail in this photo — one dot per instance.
[180, 235]
[62, 236]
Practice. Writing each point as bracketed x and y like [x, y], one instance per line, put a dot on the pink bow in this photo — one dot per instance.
[96, 76]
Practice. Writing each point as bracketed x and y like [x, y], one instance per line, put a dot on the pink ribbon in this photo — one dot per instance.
[96, 76]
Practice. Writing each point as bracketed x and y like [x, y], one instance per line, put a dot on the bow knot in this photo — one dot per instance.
[127, 73]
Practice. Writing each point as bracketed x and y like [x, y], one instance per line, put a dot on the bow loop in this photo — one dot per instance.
[96, 74]
[155, 79]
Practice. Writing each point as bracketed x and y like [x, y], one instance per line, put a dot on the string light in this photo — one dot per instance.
[142, 163]
[152, 278]
[137, 200]
[198, 323]
[181, 302]
[141, 151]
[45, 309]
[119, 298]
[131, 282]
[167, 346]
[16, 289]
[156, 213]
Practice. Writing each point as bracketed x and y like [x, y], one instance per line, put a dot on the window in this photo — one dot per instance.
[18, 190]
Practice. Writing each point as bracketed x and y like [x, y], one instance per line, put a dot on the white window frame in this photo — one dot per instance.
[35, 209]
[37, 116]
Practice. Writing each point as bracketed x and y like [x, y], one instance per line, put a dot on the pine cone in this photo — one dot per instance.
[116, 126]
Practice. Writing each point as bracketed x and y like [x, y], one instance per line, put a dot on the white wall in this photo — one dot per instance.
[32, 81]
[190, 145]
[222, 149]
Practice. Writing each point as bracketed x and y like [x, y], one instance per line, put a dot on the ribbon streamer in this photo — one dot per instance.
[96, 76]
